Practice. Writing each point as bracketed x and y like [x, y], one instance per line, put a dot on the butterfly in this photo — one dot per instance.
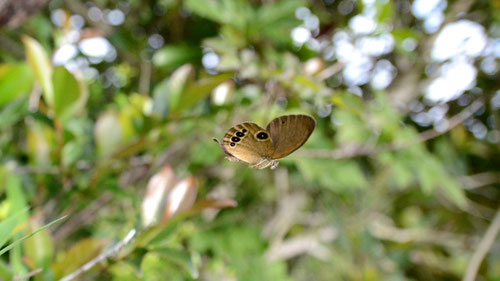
[248, 142]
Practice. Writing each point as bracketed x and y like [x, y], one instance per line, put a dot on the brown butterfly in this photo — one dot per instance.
[259, 147]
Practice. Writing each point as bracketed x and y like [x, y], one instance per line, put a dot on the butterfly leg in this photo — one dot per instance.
[271, 163]
[258, 165]
[264, 163]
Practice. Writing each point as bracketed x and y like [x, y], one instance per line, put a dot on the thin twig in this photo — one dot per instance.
[479, 180]
[145, 77]
[83, 217]
[363, 150]
[330, 71]
[102, 257]
[81, 9]
[27, 276]
[483, 248]
[383, 228]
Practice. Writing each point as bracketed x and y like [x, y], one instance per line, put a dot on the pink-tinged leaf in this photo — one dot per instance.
[154, 200]
[180, 198]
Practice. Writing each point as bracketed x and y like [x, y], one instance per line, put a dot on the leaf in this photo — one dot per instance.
[80, 253]
[40, 248]
[182, 258]
[276, 20]
[156, 194]
[66, 92]
[175, 55]
[161, 94]
[5, 271]
[7, 226]
[16, 80]
[384, 11]
[212, 203]
[108, 133]
[235, 13]
[12, 112]
[168, 93]
[39, 61]
[16, 196]
[202, 88]
[177, 84]
[124, 271]
[452, 189]
[274, 12]
[11, 245]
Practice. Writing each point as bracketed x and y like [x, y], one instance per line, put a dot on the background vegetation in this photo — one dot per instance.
[103, 100]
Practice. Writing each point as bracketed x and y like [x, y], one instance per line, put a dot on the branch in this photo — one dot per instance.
[79, 8]
[83, 217]
[364, 150]
[383, 228]
[330, 71]
[483, 248]
[479, 180]
[28, 276]
[102, 257]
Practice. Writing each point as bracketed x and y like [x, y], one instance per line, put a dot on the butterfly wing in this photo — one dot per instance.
[248, 142]
[289, 132]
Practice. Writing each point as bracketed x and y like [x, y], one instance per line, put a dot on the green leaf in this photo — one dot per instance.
[182, 258]
[11, 245]
[66, 92]
[384, 10]
[199, 90]
[80, 253]
[5, 271]
[7, 226]
[235, 13]
[124, 271]
[175, 55]
[39, 61]
[177, 85]
[16, 80]
[16, 196]
[168, 93]
[452, 189]
[12, 112]
[40, 248]
[278, 11]
[161, 94]
[108, 133]
[276, 20]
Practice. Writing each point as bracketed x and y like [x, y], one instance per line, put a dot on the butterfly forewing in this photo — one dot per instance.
[289, 132]
[248, 142]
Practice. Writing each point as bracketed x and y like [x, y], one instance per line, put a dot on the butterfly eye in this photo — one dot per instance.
[244, 130]
[235, 139]
[232, 144]
[262, 136]
[240, 134]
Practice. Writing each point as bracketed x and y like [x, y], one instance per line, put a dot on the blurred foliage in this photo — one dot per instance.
[124, 141]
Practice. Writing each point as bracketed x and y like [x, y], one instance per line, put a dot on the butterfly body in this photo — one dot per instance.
[250, 143]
